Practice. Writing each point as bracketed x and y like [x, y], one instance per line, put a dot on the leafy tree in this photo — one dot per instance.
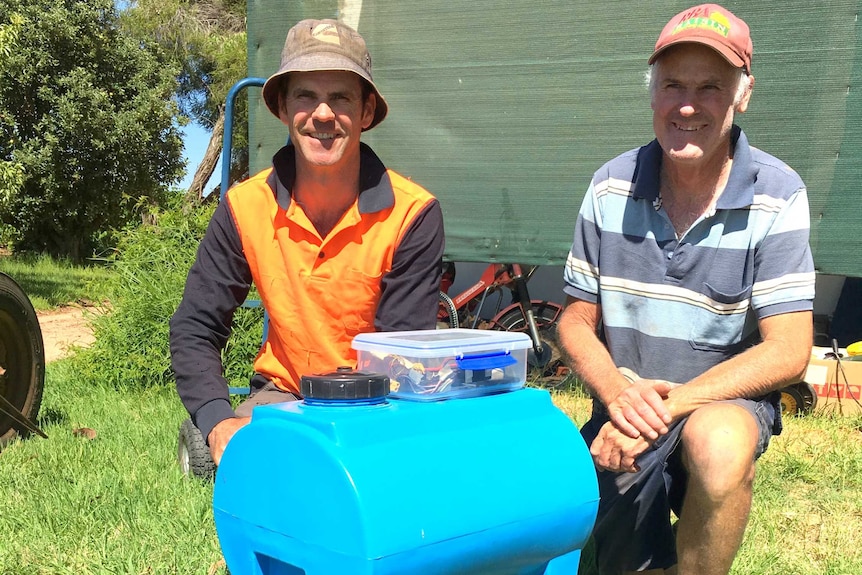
[207, 40]
[86, 113]
[11, 172]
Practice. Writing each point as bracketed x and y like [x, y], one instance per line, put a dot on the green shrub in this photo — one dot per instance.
[150, 267]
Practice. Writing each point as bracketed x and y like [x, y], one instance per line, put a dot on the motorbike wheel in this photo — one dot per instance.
[22, 358]
[546, 314]
[193, 454]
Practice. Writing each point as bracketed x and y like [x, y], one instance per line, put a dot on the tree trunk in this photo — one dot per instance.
[208, 163]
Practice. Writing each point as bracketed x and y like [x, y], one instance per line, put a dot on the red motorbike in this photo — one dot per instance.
[473, 308]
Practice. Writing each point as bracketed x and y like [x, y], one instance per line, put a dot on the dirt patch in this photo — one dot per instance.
[64, 329]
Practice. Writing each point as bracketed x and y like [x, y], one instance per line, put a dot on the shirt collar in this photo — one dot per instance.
[738, 193]
[375, 187]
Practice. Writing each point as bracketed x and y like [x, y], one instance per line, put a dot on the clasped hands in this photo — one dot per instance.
[639, 416]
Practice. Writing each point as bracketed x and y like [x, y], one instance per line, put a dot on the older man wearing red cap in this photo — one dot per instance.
[336, 243]
[690, 289]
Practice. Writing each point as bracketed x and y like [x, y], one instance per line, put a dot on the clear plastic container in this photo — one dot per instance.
[430, 365]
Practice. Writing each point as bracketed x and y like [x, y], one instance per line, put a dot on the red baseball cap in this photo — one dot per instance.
[711, 25]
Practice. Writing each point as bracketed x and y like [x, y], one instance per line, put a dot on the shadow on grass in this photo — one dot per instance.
[37, 286]
[49, 283]
[52, 416]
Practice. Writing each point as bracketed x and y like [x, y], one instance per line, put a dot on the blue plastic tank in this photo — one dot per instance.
[351, 482]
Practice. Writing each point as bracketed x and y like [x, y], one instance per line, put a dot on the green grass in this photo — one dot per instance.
[51, 283]
[114, 504]
[807, 513]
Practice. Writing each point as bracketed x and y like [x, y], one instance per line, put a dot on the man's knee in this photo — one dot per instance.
[719, 443]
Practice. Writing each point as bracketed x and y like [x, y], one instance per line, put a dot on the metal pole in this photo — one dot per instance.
[227, 144]
[7, 408]
[227, 140]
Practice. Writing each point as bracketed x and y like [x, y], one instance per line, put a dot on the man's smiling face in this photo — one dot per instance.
[693, 104]
[325, 113]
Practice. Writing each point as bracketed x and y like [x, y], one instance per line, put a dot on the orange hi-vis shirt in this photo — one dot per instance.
[319, 292]
[377, 270]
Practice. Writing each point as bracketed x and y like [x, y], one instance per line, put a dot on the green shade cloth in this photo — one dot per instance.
[505, 110]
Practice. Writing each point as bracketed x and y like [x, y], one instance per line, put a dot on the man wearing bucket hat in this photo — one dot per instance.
[335, 243]
[690, 264]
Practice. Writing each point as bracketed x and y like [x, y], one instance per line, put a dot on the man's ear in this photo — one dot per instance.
[742, 106]
[368, 109]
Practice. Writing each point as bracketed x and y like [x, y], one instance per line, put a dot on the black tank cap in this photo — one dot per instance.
[344, 383]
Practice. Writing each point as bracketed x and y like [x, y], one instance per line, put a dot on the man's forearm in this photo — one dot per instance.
[588, 356]
[779, 360]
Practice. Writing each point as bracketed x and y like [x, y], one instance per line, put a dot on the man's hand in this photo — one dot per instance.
[613, 450]
[222, 433]
[639, 409]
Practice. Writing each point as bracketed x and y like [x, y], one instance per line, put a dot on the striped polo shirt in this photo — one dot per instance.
[674, 307]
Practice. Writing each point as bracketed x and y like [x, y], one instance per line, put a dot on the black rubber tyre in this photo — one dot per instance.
[546, 314]
[193, 454]
[798, 399]
[22, 357]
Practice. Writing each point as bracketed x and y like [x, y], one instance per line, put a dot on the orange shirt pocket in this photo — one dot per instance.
[354, 301]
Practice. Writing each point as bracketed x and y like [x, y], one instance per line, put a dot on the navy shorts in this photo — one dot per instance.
[633, 529]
